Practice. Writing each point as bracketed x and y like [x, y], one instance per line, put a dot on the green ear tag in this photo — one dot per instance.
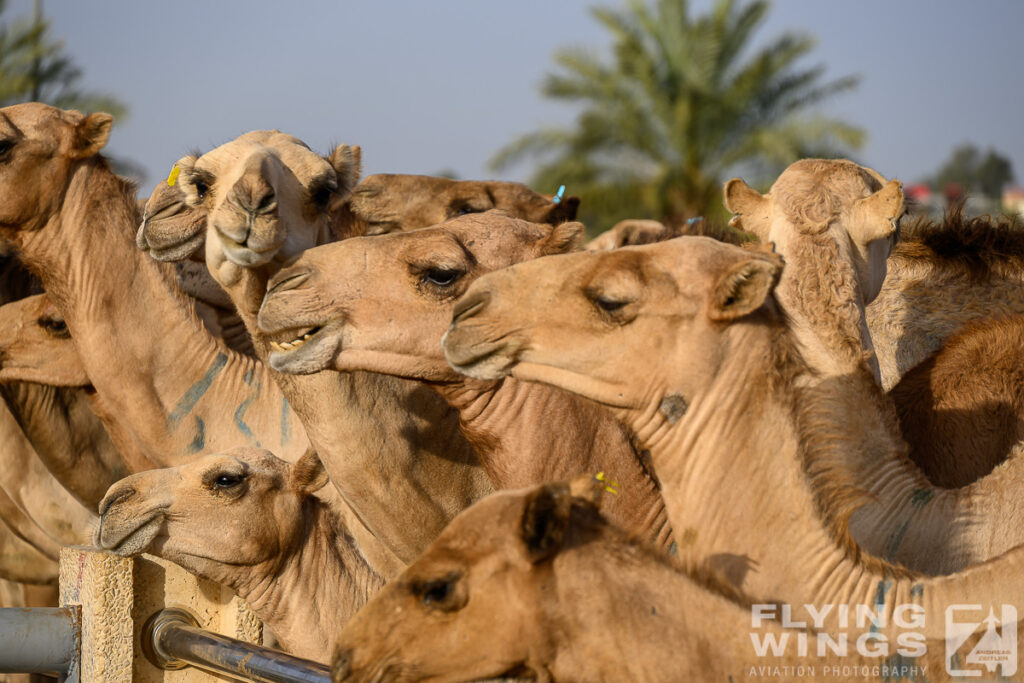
[174, 176]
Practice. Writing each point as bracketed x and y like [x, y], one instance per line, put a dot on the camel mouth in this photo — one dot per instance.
[180, 251]
[248, 256]
[307, 350]
[296, 340]
[479, 360]
[127, 536]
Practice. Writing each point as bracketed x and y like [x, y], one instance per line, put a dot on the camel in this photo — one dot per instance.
[536, 584]
[965, 399]
[392, 448]
[940, 276]
[634, 231]
[325, 311]
[252, 522]
[724, 401]
[76, 232]
[819, 214]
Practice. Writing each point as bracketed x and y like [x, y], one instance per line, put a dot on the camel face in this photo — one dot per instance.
[471, 606]
[579, 321]
[853, 204]
[39, 146]
[35, 345]
[394, 202]
[171, 229]
[383, 303]
[242, 507]
[266, 194]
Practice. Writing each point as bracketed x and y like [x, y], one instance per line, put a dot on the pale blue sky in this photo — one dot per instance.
[425, 86]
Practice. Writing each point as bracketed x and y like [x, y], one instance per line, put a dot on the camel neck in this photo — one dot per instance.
[527, 433]
[307, 596]
[174, 388]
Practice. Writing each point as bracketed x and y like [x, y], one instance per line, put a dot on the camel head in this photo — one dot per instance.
[481, 600]
[35, 345]
[171, 229]
[623, 327]
[383, 303]
[239, 508]
[40, 148]
[853, 204]
[391, 202]
[266, 195]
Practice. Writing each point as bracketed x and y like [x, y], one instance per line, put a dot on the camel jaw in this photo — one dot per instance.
[479, 360]
[128, 535]
[310, 350]
[180, 251]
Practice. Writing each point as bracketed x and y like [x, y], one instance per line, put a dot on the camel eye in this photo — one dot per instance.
[441, 277]
[227, 480]
[57, 328]
[321, 194]
[5, 147]
[609, 305]
[442, 593]
[201, 189]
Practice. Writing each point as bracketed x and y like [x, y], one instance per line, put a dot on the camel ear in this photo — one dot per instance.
[545, 520]
[91, 134]
[749, 205]
[564, 210]
[564, 238]
[743, 288]
[308, 474]
[347, 161]
[874, 217]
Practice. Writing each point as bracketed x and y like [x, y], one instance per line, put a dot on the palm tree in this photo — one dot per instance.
[682, 102]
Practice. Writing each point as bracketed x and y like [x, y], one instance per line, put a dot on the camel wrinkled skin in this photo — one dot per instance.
[536, 584]
[382, 304]
[251, 521]
[392, 448]
[724, 402]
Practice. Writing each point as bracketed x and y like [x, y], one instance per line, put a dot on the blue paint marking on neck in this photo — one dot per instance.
[880, 591]
[240, 413]
[695, 219]
[286, 435]
[558, 195]
[199, 442]
[187, 402]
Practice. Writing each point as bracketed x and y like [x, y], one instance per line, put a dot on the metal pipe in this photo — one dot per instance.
[42, 640]
[172, 639]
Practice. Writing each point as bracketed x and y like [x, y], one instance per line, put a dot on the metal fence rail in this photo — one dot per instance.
[43, 640]
[172, 639]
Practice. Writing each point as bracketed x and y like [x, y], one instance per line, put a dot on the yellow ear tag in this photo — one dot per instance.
[610, 486]
[171, 179]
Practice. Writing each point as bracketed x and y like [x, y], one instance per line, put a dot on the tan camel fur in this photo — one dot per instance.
[250, 521]
[382, 304]
[75, 231]
[536, 584]
[390, 202]
[834, 223]
[724, 402]
[635, 231]
[391, 446]
[172, 388]
[25, 558]
[962, 409]
[940, 276]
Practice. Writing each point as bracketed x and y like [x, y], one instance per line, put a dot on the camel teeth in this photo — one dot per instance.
[274, 345]
[306, 337]
[296, 343]
[286, 346]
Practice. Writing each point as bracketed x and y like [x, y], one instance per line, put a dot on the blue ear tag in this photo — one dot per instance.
[558, 195]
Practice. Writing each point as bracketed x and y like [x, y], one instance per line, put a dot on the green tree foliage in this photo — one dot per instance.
[682, 102]
[974, 173]
[35, 68]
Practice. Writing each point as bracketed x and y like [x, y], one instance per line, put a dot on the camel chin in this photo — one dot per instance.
[309, 353]
[131, 538]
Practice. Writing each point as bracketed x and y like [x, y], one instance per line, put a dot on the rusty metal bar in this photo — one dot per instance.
[43, 640]
[172, 639]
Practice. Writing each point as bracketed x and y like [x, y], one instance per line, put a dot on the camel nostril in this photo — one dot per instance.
[341, 667]
[254, 197]
[470, 305]
[286, 280]
[110, 501]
